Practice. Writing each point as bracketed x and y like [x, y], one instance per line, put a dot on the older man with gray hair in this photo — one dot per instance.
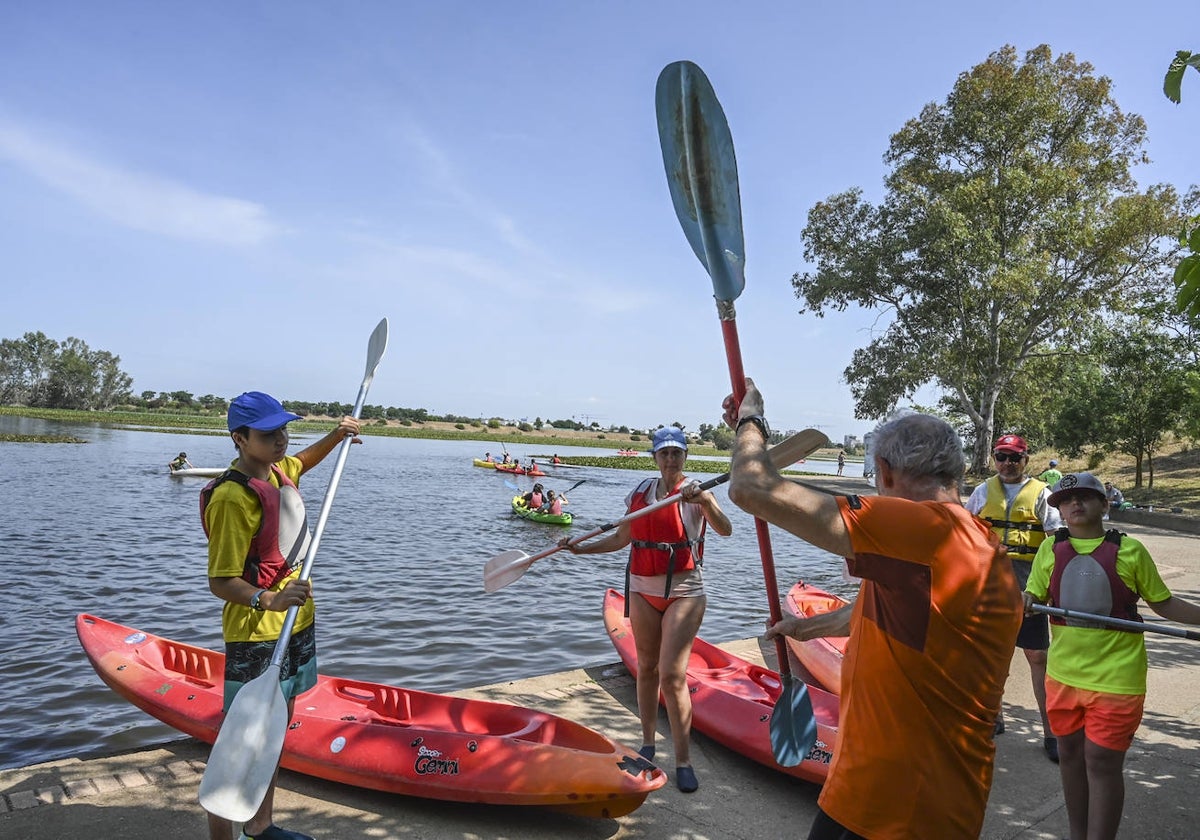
[931, 632]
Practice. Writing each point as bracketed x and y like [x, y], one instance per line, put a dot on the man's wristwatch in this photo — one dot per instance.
[256, 601]
[759, 421]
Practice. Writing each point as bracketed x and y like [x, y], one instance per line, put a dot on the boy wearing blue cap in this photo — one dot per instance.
[257, 541]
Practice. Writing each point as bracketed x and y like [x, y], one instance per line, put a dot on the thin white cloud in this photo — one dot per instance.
[136, 200]
[445, 177]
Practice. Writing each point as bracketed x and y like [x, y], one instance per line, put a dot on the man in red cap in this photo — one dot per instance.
[1017, 508]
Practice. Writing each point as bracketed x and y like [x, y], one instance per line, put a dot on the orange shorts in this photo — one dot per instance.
[1109, 720]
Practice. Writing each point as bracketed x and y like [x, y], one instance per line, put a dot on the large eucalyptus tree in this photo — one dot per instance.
[1009, 218]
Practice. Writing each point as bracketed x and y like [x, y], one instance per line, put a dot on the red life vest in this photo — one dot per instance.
[1089, 582]
[266, 562]
[660, 544]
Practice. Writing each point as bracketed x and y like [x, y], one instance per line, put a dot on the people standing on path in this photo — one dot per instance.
[1016, 507]
[1051, 474]
[1096, 675]
[931, 633]
[257, 542]
[841, 461]
[665, 590]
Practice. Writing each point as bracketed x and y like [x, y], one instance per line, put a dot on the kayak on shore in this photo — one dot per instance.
[521, 509]
[822, 657]
[385, 738]
[732, 699]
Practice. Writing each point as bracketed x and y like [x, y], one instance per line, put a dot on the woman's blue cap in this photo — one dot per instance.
[258, 411]
[669, 436]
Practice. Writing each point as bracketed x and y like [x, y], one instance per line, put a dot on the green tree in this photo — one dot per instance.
[39, 371]
[1134, 394]
[1010, 214]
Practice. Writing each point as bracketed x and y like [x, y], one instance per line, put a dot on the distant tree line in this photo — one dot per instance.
[40, 372]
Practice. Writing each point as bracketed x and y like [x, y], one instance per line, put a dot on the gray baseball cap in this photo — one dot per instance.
[1072, 482]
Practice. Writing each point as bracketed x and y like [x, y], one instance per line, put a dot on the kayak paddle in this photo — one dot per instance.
[248, 745]
[1124, 624]
[697, 150]
[511, 566]
[564, 493]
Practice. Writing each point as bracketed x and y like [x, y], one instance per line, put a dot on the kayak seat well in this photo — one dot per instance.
[190, 662]
[391, 705]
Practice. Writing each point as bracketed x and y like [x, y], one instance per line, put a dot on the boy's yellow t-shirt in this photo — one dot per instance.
[233, 517]
[1100, 659]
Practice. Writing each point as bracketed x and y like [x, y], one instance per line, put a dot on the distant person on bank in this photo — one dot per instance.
[666, 598]
[1017, 508]
[1051, 474]
[1096, 675]
[257, 542]
[931, 632]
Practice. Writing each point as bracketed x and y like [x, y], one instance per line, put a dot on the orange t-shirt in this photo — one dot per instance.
[931, 637]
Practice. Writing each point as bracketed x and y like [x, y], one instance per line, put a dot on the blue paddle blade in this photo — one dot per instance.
[793, 723]
[697, 151]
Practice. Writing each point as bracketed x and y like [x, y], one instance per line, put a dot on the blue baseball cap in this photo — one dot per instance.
[258, 411]
[667, 437]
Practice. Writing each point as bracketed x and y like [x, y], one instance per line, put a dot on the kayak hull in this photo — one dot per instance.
[822, 657]
[385, 738]
[522, 510]
[509, 468]
[732, 699]
[198, 472]
[487, 465]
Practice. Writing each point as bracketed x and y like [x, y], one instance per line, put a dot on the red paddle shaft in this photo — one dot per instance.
[733, 356]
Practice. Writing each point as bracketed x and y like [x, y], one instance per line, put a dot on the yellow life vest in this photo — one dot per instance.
[1016, 524]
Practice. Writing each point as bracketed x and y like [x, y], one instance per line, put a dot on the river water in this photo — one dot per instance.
[102, 528]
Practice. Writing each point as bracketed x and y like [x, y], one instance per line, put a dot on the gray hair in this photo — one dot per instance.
[922, 448]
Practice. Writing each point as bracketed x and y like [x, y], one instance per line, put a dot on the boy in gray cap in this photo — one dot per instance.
[1095, 675]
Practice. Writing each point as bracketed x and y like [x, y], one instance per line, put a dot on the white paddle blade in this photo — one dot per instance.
[798, 446]
[504, 569]
[246, 753]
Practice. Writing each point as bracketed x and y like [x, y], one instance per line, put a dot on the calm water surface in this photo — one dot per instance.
[101, 528]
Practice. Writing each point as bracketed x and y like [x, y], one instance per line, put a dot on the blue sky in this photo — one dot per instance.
[229, 195]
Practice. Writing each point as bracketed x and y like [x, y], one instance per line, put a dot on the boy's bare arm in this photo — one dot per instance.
[315, 454]
[1177, 609]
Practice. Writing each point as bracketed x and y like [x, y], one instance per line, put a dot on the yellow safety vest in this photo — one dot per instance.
[1016, 524]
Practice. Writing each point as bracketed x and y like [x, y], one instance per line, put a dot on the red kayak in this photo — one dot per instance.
[732, 699]
[389, 739]
[822, 658]
[510, 468]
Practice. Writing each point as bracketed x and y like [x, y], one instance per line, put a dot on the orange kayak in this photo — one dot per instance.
[732, 699]
[389, 739]
[822, 658]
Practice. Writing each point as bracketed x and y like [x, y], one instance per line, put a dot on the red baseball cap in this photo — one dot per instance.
[1011, 443]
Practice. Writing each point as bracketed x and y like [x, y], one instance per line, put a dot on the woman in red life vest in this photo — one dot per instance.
[665, 590]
